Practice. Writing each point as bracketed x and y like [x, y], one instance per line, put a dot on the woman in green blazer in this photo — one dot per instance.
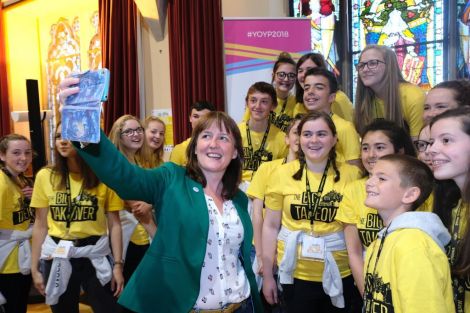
[178, 273]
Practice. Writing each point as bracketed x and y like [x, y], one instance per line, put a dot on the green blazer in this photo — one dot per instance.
[168, 277]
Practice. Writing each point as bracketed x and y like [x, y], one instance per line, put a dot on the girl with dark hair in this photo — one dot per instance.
[283, 81]
[445, 96]
[362, 223]
[15, 219]
[71, 247]
[341, 106]
[450, 153]
[382, 92]
[302, 199]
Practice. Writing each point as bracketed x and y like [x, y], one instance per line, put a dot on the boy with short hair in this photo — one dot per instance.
[320, 88]
[406, 269]
[198, 110]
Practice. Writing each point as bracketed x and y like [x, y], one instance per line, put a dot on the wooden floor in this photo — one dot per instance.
[43, 308]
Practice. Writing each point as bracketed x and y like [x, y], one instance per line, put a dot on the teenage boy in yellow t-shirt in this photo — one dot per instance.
[320, 87]
[198, 110]
[406, 269]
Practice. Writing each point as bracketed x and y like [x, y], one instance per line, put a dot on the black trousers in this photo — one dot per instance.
[99, 297]
[308, 296]
[15, 288]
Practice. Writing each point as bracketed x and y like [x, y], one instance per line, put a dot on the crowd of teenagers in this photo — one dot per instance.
[306, 205]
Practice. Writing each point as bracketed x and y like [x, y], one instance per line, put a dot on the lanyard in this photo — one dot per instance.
[71, 208]
[458, 283]
[312, 207]
[368, 285]
[263, 142]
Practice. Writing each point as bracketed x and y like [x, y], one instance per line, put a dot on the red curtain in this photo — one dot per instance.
[5, 106]
[118, 28]
[196, 58]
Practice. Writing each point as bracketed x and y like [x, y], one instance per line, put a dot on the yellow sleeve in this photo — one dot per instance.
[412, 101]
[348, 140]
[178, 154]
[39, 198]
[343, 106]
[257, 187]
[430, 289]
[346, 211]
[274, 197]
[246, 115]
[113, 202]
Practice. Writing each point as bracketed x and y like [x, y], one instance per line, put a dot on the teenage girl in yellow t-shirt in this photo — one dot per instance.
[302, 199]
[76, 223]
[450, 154]
[362, 223]
[127, 134]
[15, 216]
[155, 137]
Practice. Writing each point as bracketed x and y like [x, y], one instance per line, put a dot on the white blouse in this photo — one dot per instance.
[223, 278]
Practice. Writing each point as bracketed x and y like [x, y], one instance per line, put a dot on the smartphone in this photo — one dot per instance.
[81, 111]
[94, 87]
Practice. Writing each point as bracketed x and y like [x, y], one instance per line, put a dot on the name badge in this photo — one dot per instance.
[63, 249]
[313, 248]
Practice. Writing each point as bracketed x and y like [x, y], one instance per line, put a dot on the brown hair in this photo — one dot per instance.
[283, 58]
[413, 173]
[365, 96]
[312, 116]
[154, 158]
[263, 87]
[233, 173]
[5, 141]
[60, 168]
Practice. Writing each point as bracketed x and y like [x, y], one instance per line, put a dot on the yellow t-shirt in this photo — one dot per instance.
[14, 215]
[412, 105]
[178, 154]
[281, 115]
[274, 148]
[89, 217]
[342, 107]
[411, 275]
[288, 195]
[349, 146]
[257, 188]
[461, 234]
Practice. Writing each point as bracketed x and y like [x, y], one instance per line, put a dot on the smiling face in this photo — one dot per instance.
[132, 135]
[384, 189]
[260, 106]
[64, 147]
[215, 149]
[303, 68]
[317, 95]
[17, 157]
[316, 140]
[284, 85]
[450, 150]
[423, 143]
[155, 134]
[372, 78]
[437, 101]
[375, 144]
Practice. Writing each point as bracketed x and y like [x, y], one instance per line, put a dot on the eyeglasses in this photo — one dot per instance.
[129, 132]
[421, 145]
[283, 75]
[371, 64]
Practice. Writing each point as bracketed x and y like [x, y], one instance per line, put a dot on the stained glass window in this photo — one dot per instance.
[463, 22]
[413, 28]
[324, 15]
